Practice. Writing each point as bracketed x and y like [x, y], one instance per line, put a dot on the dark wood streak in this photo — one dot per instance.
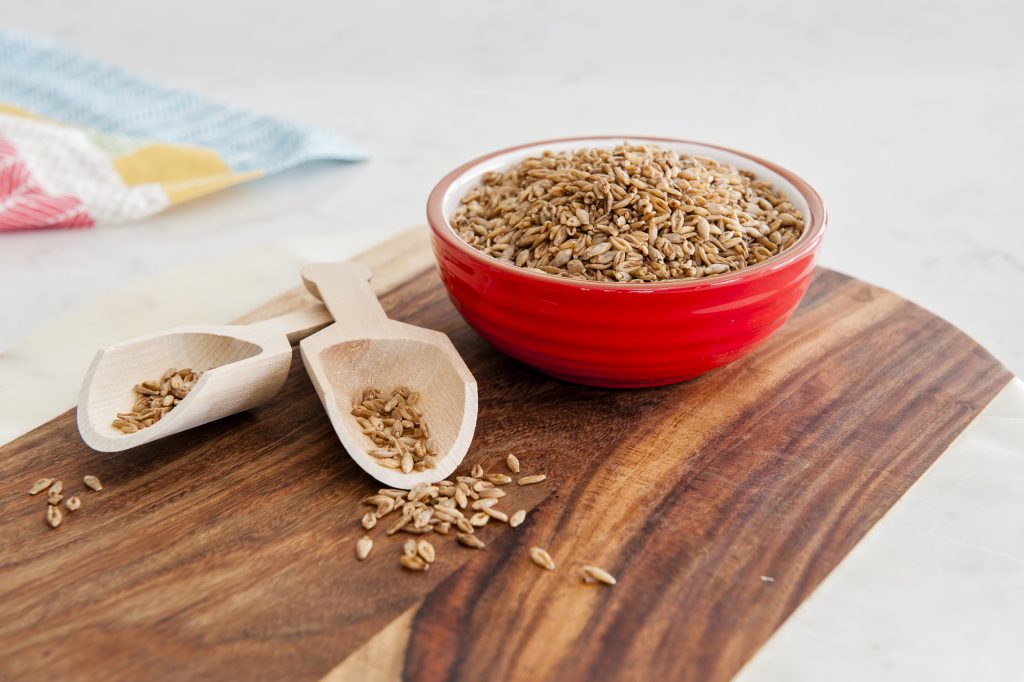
[227, 552]
[784, 487]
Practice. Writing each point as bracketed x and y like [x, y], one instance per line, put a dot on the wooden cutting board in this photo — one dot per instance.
[719, 504]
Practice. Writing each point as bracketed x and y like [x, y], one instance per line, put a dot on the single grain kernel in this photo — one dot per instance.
[541, 557]
[40, 485]
[593, 574]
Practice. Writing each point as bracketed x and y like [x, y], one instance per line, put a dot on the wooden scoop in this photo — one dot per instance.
[363, 348]
[242, 366]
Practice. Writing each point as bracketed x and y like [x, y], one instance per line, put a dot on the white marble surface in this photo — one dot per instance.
[905, 115]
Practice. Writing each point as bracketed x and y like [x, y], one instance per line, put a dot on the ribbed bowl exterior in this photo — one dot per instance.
[623, 335]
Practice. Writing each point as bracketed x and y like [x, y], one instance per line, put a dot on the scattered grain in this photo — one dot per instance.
[512, 462]
[53, 515]
[593, 574]
[93, 483]
[363, 547]
[496, 514]
[425, 551]
[471, 541]
[413, 563]
[542, 558]
[530, 480]
[40, 485]
[517, 518]
[73, 503]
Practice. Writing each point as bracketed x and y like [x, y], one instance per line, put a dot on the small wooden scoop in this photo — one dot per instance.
[363, 348]
[242, 366]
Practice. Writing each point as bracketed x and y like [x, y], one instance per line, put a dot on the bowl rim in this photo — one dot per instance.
[808, 242]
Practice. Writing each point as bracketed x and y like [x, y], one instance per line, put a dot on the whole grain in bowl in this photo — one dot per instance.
[627, 214]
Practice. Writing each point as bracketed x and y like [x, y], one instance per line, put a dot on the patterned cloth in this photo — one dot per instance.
[83, 143]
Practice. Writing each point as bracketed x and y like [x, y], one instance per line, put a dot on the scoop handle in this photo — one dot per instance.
[297, 324]
[345, 290]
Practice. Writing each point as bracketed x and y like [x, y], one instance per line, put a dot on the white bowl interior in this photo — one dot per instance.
[471, 177]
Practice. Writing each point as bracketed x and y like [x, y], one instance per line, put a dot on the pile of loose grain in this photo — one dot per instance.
[394, 421]
[55, 493]
[155, 398]
[465, 506]
[628, 214]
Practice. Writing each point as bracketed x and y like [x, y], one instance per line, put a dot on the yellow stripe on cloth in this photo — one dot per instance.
[183, 172]
[12, 110]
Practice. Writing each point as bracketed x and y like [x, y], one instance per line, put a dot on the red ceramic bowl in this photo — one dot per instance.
[623, 335]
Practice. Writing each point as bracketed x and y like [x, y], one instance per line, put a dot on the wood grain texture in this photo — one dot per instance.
[226, 552]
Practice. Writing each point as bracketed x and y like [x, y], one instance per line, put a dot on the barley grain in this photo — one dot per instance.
[73, 503]
[517, 518]
[425, 551]
[593, 574]
[53, 515]
[413, 563]
[512, 462]
[40, 485]
[363, 547]
[496, 514]
[471, 541]
[399, 525]
[93, 483]
[369, 520]
[530, 480]
[542, 558]
[569, 213]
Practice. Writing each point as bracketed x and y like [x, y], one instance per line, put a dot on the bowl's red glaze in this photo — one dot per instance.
[622, 335]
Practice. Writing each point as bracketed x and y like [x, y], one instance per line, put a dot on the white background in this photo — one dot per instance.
[908, 117]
